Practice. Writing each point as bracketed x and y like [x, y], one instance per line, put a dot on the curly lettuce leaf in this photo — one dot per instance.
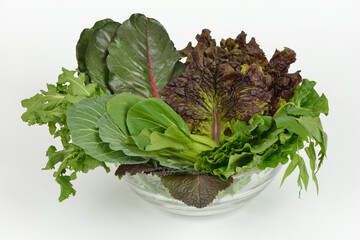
[51, 107]
[233, 81]
[244, 151]
[268, 141]
[73, 159]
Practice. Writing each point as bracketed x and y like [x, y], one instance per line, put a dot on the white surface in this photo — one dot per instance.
[38, 37]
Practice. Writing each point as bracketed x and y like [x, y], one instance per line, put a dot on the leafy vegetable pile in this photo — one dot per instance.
[226, 110]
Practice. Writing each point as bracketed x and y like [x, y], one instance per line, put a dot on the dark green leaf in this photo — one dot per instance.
[82, 121]
[118, 107]
[141, 57]
[313, 127]
[110, 133]
[172, 138]
[296, 111]
[83, 43]
[97, 52]
[291, 124]
[178, 69]
[155, 115]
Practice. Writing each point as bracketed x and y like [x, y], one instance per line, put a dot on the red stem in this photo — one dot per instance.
[149, 65]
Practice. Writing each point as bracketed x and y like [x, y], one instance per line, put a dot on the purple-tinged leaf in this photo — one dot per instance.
[195, 190]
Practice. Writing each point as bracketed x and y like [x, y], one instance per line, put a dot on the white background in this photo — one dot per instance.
[37, 38]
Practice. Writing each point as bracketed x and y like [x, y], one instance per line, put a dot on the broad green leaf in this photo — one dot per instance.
[141, 57]
[97, 52]
[141, 140]
[303, 92]
[296, 111]
[172, 138]
[83, 43]
[204, 140]
[82, 121]
[290, 123]
[155, 115]
[313, 127]
[118, 107]
[110, 133]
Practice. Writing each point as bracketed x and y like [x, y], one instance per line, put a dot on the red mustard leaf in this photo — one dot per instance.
[233, 81]
[134, 169]
[195, 190]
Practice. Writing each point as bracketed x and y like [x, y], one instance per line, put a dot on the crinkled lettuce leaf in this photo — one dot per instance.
[266, 141]
[230, 82]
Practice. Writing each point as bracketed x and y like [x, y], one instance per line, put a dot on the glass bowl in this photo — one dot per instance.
[244, 188]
